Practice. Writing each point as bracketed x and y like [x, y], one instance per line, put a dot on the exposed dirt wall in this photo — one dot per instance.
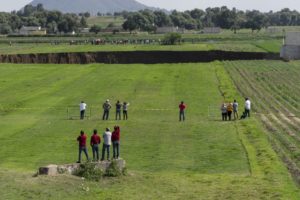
[146, 57]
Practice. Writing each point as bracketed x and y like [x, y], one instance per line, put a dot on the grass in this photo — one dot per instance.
[276, 99]
[165, 159]
[259, 46]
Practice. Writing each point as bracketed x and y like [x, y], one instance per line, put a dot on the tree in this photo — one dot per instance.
[197, 14]
[138, 21]
[5, 29]
[162, 19]
[28, 10]
[40, 8]
[95, 29]
[83, 22]
[172, 38]
[255, 20]
[52, 27]
[129, 25]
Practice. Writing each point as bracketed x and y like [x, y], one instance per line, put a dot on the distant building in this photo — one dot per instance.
[211, 30]
[291, 46]
[32, 30]
[169, 29]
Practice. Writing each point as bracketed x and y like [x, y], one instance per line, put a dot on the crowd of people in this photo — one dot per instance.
[227, 109]
[106, 110]
[95, 141]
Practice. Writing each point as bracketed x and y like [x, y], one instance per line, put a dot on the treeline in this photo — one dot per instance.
[223, 17]
[53, 21]
[149, 20]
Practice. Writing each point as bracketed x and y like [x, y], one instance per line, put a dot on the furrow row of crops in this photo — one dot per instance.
[283, 87]
[275, 96]
[261, 105]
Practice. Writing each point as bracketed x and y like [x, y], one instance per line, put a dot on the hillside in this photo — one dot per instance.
[92, 6]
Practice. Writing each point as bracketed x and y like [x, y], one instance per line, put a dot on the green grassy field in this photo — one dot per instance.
[202, 158]
[276, 98]
[244, 46]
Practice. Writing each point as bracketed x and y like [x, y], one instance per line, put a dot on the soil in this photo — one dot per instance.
[131, 57]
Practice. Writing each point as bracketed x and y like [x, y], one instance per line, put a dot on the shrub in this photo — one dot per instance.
[89, 171]
[113, 170]
[172, 39]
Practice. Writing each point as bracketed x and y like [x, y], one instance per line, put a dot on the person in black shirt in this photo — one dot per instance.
[118, 110]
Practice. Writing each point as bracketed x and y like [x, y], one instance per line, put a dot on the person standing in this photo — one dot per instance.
[106, 107]
[118, 110]
[247, 107]
[95, 141]
[125, 110]
[182, 108]
[116, 142]
[235, 110]
[224, 111]
[82, 146]
[82, 106]
[229, 110]
[106, 143]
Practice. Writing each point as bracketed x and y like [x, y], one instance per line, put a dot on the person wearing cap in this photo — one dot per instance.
[106, 107]
[82, 107]
[95, 141]
[82, 146]
[106, 143]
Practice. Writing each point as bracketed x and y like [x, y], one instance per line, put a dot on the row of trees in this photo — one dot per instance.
[223, 17]
[53, 21]
[148, 20]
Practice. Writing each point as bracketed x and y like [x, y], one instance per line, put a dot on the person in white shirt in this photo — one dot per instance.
[125, 110]
[247, 107]
[106, 143]
[235, 110]
[82, 107]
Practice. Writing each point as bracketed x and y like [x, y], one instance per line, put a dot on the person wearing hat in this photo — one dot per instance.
[106, 107]
[106, 143]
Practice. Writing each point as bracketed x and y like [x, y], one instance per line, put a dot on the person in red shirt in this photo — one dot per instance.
[115, 138]
[182, 108]
[82, 146]
[95, 141]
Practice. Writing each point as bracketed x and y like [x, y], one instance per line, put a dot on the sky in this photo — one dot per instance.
[262, 5]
